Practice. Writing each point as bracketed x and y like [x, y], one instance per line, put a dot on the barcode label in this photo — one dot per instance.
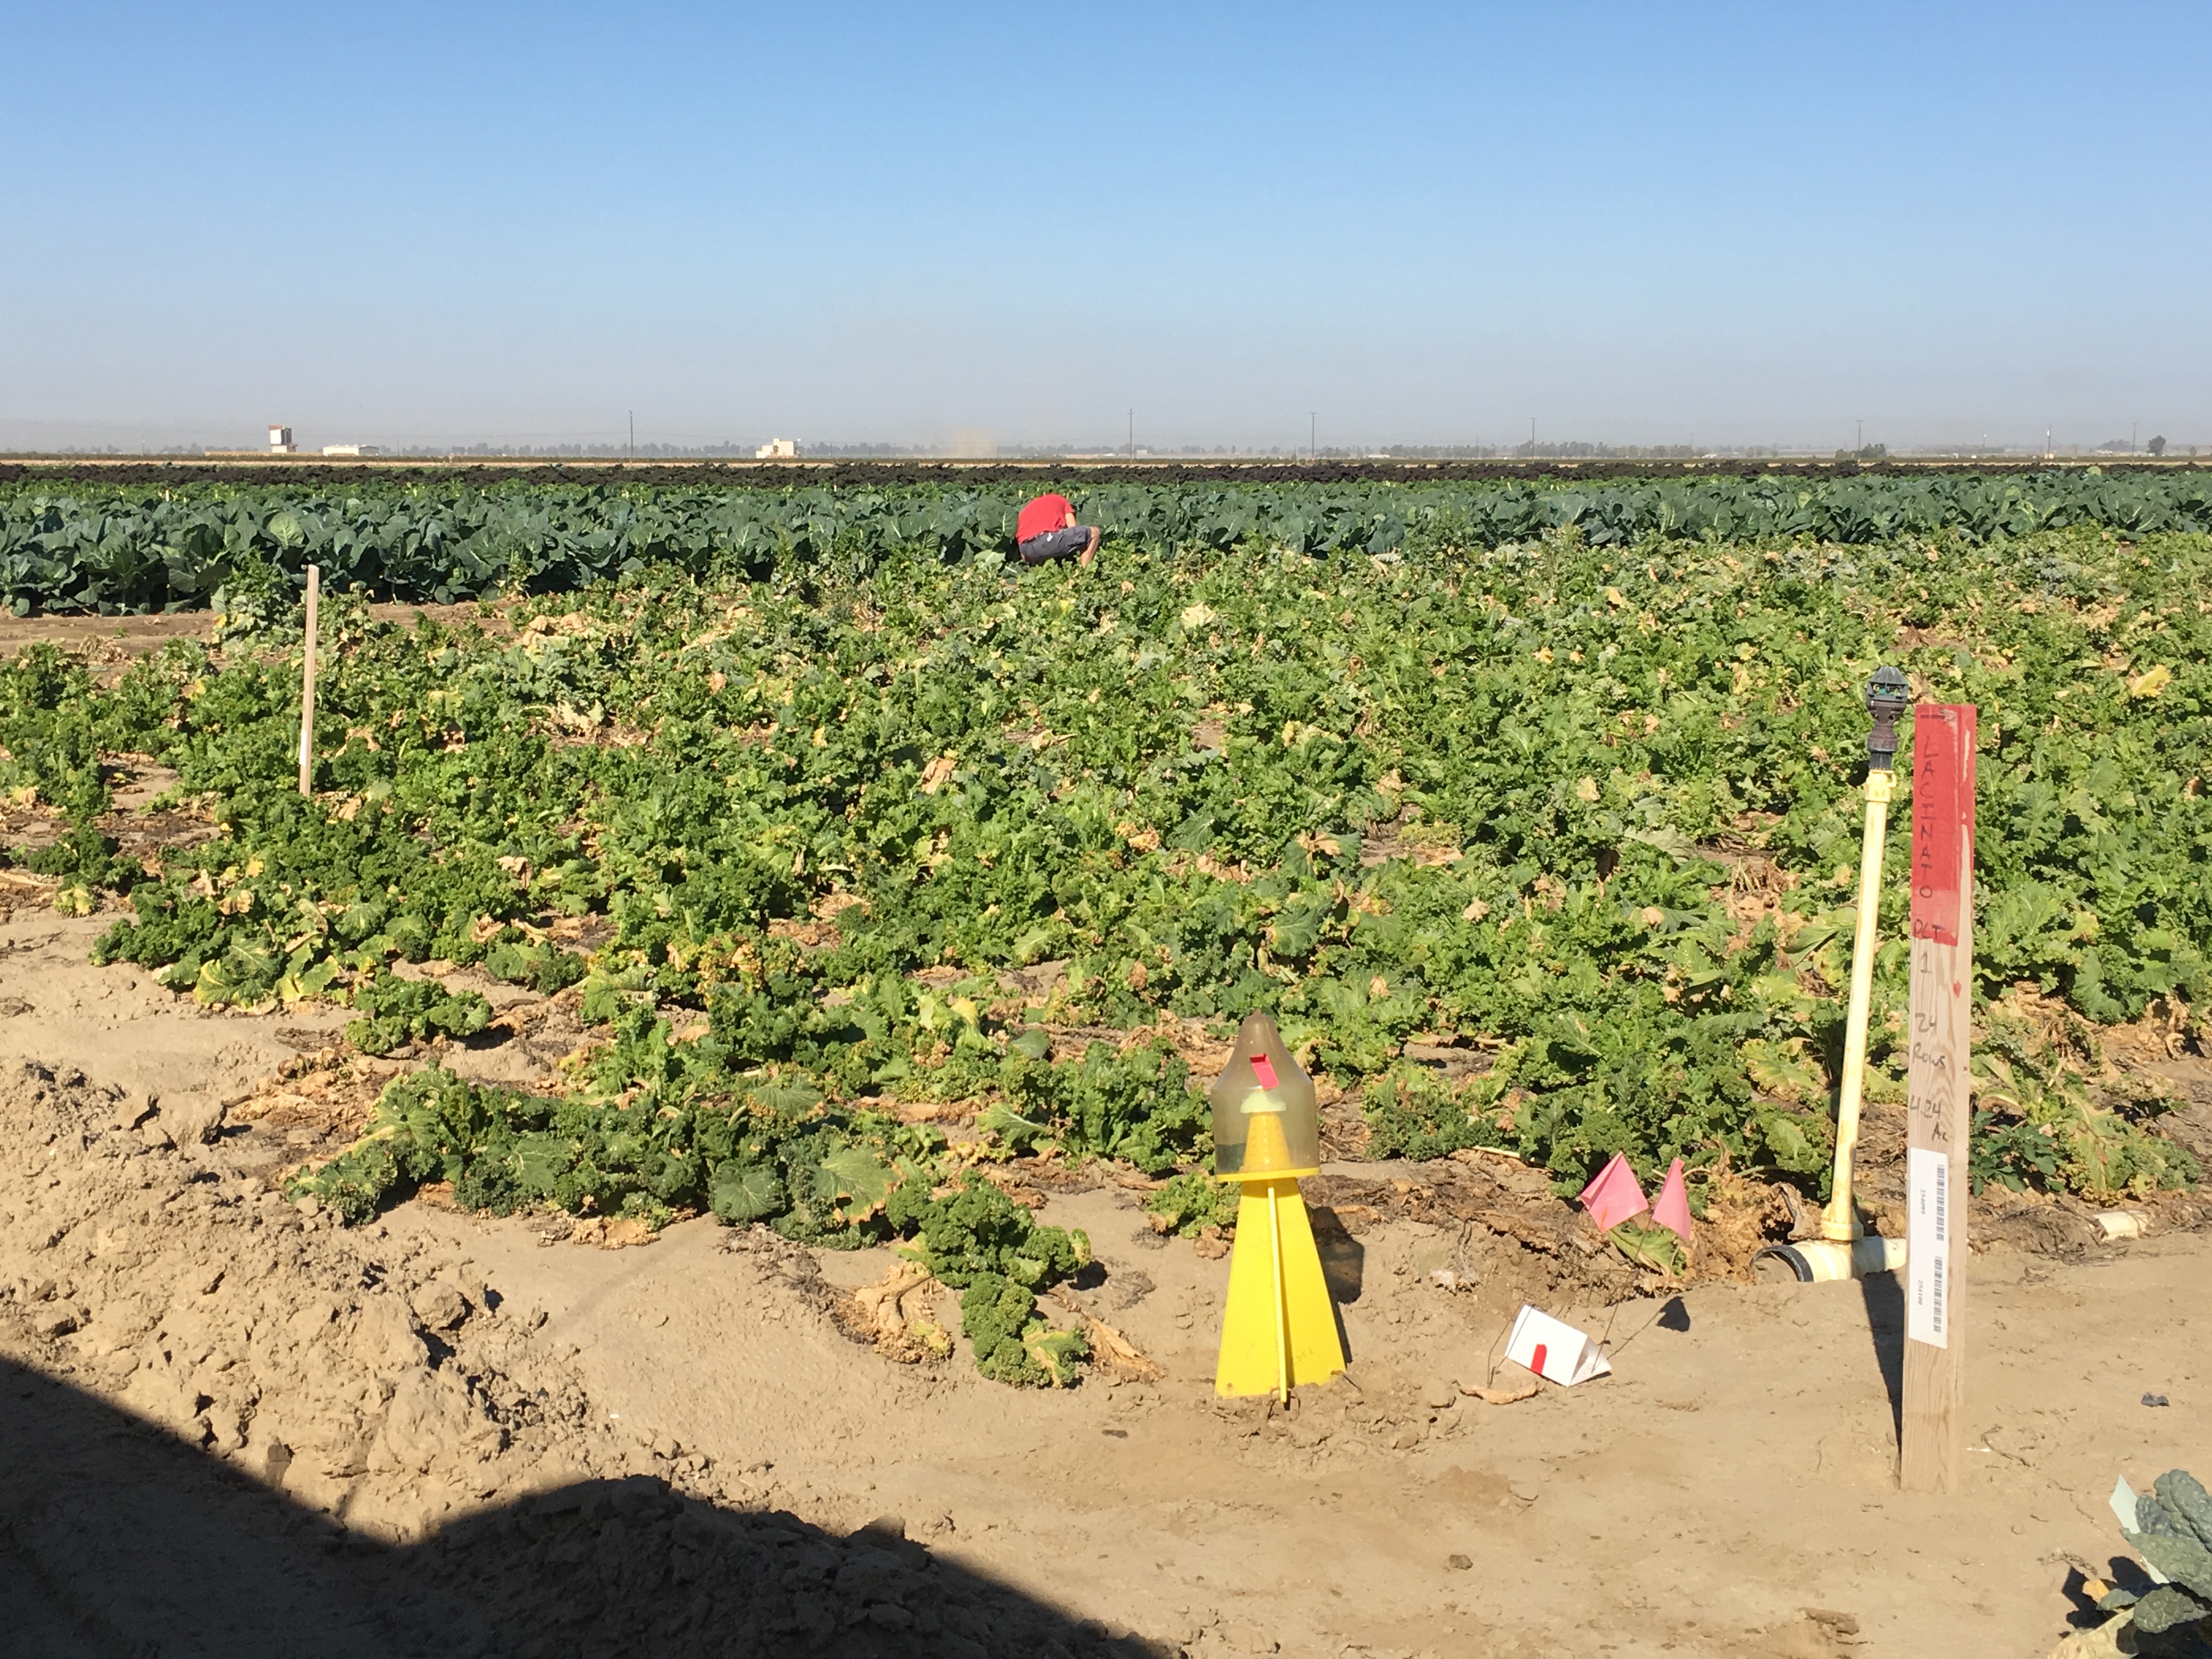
[1926, 1244]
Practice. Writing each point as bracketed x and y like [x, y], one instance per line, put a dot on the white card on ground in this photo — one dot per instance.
[2123, 1504]
[1555, 1349]
[1926, 1244]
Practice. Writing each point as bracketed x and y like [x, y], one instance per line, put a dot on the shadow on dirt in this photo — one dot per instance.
[1884, 1294]
[116, 1539]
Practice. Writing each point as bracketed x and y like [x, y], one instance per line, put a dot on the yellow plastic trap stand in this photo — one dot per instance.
[1279, 1325]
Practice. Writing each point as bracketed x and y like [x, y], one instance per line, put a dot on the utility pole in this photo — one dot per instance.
[1532, 437]
[633, 435]
[1133, 434]
[1862, 444]
[2134, 427]
[1313, 437]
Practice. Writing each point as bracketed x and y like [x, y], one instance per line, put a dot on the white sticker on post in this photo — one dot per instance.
[1926, 1244]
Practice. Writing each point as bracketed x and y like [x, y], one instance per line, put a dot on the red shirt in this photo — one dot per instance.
[1042, 516]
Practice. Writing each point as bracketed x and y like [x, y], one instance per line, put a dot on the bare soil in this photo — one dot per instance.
[110, 642]
[233, 1426]
[836, 472]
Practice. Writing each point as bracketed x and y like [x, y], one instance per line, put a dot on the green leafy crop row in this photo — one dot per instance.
[81, 545]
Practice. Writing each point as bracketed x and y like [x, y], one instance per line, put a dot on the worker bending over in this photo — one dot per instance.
[1047, 530]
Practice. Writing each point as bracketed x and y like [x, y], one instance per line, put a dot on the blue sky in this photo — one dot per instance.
[1637, 224]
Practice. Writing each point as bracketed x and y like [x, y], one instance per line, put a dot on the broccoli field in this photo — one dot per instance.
[818, 838]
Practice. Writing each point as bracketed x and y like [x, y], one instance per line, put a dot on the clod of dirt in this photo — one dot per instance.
[441, 1307]
[133, 1109]
[193, 1116]
[1511, 1395]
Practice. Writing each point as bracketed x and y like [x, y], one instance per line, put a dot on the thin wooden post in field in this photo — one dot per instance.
[307, 689]
[1938, 1086]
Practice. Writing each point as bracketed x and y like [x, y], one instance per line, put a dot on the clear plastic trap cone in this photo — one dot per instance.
[1266, 1126]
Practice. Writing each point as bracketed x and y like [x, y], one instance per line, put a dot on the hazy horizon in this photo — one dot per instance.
[860, 449]
[989, 227]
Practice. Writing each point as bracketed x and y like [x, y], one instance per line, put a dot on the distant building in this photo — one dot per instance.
[280, 441]
[778, 449]
[351, 449]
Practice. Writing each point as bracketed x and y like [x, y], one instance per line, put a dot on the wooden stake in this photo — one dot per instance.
[1938, 1087]
[307, 690]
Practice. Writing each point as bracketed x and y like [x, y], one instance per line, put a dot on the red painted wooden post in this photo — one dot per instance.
[1938, 1086]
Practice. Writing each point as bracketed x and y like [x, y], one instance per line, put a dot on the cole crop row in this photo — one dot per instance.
[83, 545]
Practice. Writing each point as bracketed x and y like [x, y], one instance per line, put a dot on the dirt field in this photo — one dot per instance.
[325, 472]
[108, 642]
[234, 1427]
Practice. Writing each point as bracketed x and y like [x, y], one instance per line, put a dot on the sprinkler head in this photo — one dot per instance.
[1887, 696]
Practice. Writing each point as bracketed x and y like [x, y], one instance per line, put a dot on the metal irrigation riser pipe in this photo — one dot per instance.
[1887, 695]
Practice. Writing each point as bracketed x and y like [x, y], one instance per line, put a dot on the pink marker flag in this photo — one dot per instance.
[1671, 1212]
[1615, 1195]
[1263, 1071]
